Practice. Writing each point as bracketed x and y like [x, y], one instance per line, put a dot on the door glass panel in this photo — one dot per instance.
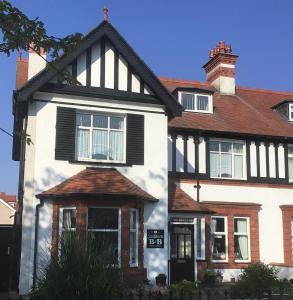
[180, 246]
[188, 246]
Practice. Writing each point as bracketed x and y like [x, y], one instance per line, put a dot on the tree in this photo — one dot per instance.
[22, 33]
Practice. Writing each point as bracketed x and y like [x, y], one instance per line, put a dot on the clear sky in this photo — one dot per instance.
[173, 38]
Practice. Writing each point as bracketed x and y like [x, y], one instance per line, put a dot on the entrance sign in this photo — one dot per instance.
[155, 238]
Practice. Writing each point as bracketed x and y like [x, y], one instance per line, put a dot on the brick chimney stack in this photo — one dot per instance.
[220, 68]
[21, 70]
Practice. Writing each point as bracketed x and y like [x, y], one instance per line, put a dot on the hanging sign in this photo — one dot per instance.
[155, 238]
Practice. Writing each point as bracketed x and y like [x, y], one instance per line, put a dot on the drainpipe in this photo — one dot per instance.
[37, 215]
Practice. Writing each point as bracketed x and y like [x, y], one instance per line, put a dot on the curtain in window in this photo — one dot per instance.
[241, 225]
[69, 219]
[238, 166]
[215, 164]
[290, 167]
[83, 139]
[203, 103]
[226, 165]
[187, 101]
[116, 146]
[100, 144]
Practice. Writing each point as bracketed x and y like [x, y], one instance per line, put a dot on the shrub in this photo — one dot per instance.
[212, 278]
[255, 281]
[82, 269]
[183, 288]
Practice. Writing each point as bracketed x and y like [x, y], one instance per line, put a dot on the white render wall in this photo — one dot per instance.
[43, 172]
[270, 215]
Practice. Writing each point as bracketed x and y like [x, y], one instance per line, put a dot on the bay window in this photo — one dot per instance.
[227, 159]
[219, 239]
[241, 239]
[104, 226]
[100, 137]
[133, 253]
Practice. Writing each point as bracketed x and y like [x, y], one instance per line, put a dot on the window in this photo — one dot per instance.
[100, 137]
[200, 238]
[227, 159]
[133, 253]
[67, 219]
[196, 102]
[219, 239]
[241, 239]
[290, 162]
[290, 111]
[103, 224]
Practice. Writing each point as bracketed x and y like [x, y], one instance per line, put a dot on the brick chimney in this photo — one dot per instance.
[21, 70]
[220, 68]
[36, 62]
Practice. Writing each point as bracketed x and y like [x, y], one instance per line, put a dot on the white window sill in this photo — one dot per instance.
[89, 160]
[225, 178]
[198, 111]
[220, 261]
[242, 261]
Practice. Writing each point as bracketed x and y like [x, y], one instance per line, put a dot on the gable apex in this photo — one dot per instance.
[140, 71]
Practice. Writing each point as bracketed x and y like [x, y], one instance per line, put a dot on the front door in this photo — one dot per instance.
[182, 253]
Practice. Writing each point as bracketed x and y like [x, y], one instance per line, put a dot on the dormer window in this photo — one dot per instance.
[196, 102]
[290, 111]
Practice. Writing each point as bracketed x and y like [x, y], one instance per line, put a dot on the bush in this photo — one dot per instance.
[82, 269]
[212, 278]
[183, 288]
[255, 281]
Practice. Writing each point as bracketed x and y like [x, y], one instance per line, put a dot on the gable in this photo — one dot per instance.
[103, 63]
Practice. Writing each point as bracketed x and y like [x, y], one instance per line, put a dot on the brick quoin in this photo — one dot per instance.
[132, 275]
[231, 210]
[287, 214]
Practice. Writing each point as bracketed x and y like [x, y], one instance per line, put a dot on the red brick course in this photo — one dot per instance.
[287, 214]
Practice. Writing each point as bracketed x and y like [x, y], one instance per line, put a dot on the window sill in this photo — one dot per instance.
[99, 163]
[219, 261]
[242, 261]
[228, 179]
[198, 111]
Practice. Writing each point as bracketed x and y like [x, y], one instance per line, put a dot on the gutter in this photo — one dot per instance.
[37, 215]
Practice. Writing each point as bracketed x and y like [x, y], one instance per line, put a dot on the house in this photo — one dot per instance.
[179, 175]
[7, 208]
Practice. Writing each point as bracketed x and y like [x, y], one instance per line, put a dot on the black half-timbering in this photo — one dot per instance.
[65, 142]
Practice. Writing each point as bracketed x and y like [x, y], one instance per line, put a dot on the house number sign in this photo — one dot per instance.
[155, 238]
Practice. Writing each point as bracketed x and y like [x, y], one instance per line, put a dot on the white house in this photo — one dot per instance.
[181, 176]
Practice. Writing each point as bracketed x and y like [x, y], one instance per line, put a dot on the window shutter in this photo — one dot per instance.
[65, 134]
[135, 139]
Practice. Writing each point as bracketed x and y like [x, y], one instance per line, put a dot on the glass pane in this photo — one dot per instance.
[183, 230]
[237, 148]
[290, 167]
[241, 247]
[219, 247]
[240, 225]
[100, 144]
[226, 165]
[83, 143]
[174, 246]
[203, 103]
[188, 246]
[238, 166]
[116, 123]
[290, 150]
[214, 146]
[83, 120]
[102, 218]
[133, 246]
[215, 164]
[100, 121]
[69, 219]
[226, 147]
[187, 101]
[218, 225]
[180, 238]
[107, 239]
[133, 219]
[116, 145]
[198, 237]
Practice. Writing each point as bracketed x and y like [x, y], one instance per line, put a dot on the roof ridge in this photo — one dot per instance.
[172, 79]
[259, 90]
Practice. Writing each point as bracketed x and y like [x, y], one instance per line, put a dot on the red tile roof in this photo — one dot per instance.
[7, 198]
[249, 112]
[97, 181]
[179, 201]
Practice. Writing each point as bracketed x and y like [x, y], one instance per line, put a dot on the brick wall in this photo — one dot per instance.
[287, 214]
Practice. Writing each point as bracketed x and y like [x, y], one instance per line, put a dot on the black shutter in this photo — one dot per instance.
[135, 139]
[65, 134]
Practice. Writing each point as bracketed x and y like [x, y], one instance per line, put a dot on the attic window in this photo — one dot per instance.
[290, 111]
[196, 102]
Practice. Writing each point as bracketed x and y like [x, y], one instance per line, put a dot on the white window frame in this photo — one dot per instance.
[243, 234]
[290, 111]
[61, 209]
[232, 153]
[108, 230]
[91, 128]
[289, 156]
[135, 264]
[201, 221]
[225, 233]
[210, 102]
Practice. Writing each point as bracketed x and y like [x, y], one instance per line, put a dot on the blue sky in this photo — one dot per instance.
[173, 38]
